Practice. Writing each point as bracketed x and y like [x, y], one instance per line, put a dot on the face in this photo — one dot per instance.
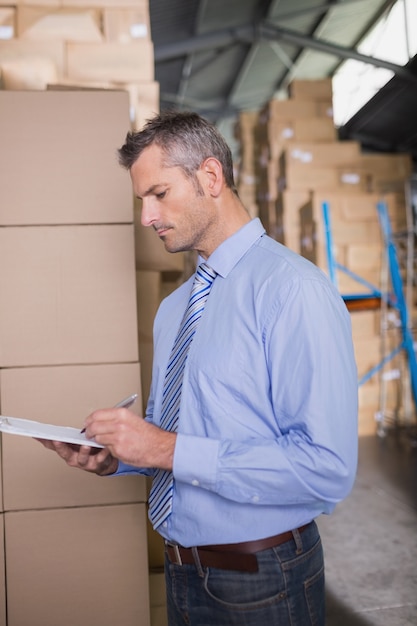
[183, 217]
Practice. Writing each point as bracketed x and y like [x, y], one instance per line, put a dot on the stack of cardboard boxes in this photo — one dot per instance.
[99, 44]
[75, 545]
[245, 165]
[299, 165]
[281, 124]
[81, 274]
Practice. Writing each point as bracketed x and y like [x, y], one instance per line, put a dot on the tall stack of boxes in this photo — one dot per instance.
[304, 118]
[102, 44]
[299, 165]
[75, 544]
[76, 51]
[245, 165]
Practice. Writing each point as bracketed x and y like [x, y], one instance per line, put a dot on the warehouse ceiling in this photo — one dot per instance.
[219, 57]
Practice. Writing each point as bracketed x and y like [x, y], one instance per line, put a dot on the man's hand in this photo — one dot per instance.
[131, 439]
[96, 460]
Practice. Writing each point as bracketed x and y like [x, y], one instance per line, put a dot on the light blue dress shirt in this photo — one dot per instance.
[267, 436]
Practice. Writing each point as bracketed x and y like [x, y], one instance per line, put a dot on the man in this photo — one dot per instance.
[263, 435]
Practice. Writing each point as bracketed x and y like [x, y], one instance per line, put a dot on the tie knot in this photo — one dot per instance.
[205, 273]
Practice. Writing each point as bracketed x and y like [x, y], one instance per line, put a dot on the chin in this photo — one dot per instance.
[171, 248]
[175, 247]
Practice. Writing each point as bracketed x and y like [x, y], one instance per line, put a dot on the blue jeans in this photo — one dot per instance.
[287, 590]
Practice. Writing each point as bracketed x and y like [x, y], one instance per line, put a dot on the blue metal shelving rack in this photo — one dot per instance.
[394, 298]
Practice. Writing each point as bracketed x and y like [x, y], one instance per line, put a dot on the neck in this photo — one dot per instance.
[231, 217]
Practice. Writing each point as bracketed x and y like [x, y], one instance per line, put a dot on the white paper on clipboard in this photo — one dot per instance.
[39, 430]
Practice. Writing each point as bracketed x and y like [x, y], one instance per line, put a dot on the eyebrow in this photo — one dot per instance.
[152, 189]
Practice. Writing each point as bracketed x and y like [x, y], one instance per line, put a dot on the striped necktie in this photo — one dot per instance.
[160, 497]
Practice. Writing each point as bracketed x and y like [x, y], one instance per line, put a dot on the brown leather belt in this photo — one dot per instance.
[232, 556]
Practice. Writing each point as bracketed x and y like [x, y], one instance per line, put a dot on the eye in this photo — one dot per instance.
[161, 195]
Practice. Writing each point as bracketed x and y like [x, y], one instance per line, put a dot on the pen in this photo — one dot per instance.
[126, 403]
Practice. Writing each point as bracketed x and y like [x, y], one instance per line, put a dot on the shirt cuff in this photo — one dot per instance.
[195, 461]
[123, 469]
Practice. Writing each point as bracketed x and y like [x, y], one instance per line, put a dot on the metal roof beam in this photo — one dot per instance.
[204, 42]
[271, 31]
[268, 31]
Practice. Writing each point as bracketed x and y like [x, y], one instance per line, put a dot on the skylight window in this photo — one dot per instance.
[392, 39]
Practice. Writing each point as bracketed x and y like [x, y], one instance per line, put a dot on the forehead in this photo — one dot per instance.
[149, 170]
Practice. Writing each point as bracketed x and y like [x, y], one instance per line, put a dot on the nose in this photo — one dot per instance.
[149, 212]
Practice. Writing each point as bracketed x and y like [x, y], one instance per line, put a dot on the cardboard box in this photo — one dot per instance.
[367, 424]
[68, 295]
[318, 89]
[157, 590]
[283, 133]
[319, 165]
[244, 132]
[367, 353]
[40, 23]
[1, 473]
[364, 256]
[77, 566]
[144, 102]
[362, 233]
[17, 53]
[127, 63]
[388, 166]
[2, 575]
[8, 19]
[156, 552]
[322, 154]
[148, 289]
[291, 109]
[290, 203]
[49, 3]
[36, 478]
[121, 4]
[365, 324]
[299, 177]
[349, 285]
[124, 25]
[70, 139]
[355, 231]
[359, 207]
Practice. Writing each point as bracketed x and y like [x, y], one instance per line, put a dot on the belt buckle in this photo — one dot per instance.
[177, 553]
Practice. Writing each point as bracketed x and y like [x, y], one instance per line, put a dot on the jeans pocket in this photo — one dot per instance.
[314, 594]
[304, 575]
[246, 590]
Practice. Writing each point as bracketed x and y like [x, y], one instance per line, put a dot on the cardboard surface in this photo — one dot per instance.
[323, 153]
[2, 575]
[315, 89]
[1, 474]
[121, 4]
[124, 25]
[69, 140]
[298, 109]
[77, 566]
[130, 62]
[35, 477]
[14, 50]
[40, 23]
[68, 295]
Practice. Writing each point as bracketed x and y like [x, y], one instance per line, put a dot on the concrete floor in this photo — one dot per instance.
[370, 541]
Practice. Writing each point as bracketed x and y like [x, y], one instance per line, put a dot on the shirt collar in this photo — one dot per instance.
[230, 251]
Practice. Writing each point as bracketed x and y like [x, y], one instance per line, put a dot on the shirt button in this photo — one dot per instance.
[255, 499]
[195, 482]
[165, 524]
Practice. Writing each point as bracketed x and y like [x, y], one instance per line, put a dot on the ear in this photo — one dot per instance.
[211, 176]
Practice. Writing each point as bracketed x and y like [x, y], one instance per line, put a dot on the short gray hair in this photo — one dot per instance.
[186, 140]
